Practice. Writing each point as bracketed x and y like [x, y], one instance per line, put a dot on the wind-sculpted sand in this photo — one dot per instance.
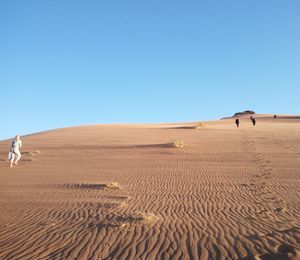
[127, 192]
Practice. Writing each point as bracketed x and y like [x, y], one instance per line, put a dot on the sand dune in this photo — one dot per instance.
[124, 192]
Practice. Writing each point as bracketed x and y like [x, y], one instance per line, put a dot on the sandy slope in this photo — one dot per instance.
[231, 193]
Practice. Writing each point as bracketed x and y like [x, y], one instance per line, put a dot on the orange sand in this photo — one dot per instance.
[124, 192]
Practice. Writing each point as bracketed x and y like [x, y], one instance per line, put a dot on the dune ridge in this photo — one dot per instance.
[123, 192]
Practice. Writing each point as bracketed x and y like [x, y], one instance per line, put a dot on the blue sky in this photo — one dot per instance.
[69, 62]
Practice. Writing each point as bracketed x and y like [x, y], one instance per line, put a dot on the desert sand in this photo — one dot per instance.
[126, 192]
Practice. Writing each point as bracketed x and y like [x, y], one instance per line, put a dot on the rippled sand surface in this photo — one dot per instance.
[127, 192]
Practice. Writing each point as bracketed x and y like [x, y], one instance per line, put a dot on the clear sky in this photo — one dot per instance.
[70, 62]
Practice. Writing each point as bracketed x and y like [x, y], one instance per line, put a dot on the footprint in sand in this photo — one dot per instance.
[29, 156]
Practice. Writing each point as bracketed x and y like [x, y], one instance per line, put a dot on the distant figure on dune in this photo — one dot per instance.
[251, 117]
[275, 116]
[15, 151]
[237, 122]
[253, 121]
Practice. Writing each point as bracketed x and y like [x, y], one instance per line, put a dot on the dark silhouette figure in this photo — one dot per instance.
[251, 117]
[237, 122]
[253, 121]
[275, 116]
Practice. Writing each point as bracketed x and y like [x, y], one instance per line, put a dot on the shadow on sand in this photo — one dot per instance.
[284, 252]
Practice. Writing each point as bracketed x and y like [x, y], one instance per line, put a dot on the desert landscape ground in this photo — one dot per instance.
[127, 192]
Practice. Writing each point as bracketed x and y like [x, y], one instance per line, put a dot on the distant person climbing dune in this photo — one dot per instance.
[14, 152]
[253, 121]
[237, 122]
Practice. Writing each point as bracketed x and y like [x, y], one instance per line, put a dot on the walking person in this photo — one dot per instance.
[15, 155]
[253, 121]
[237, 122]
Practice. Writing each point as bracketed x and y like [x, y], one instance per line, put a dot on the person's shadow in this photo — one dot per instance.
[284, 252]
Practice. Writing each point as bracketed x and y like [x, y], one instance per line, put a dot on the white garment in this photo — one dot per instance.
[15, 150]
[16, 145]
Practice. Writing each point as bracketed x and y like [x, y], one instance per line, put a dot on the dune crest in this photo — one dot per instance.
[124, 192]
